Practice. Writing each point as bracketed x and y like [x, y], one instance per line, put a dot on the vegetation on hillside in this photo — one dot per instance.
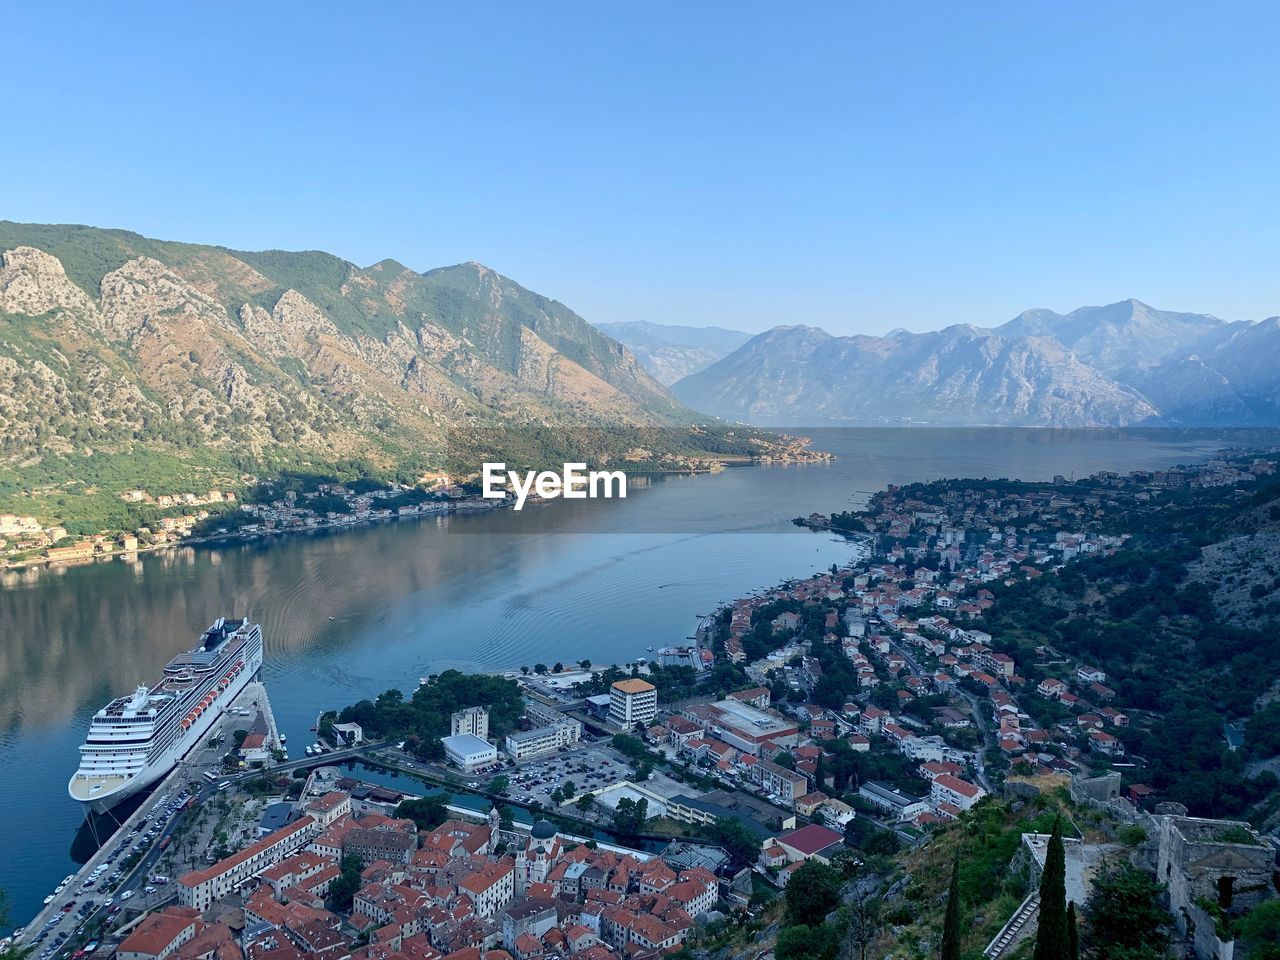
[189, 358]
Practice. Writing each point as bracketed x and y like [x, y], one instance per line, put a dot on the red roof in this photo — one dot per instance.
[956, 785]
[811, 839]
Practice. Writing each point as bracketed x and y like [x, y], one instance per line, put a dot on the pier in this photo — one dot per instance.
[186, 776]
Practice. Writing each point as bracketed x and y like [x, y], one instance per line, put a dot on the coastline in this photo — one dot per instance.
[325, 526]
[445, 508]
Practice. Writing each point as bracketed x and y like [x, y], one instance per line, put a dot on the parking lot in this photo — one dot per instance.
[588, 767]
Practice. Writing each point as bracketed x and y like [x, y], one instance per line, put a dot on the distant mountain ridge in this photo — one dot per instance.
[1122, 364]
[670, 351]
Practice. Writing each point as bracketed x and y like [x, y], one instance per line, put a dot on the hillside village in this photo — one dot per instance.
[843, 721]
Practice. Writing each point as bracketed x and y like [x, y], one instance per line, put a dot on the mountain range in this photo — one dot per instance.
[114, 344]
[671, 352]
[1117, 365]
[122, 355]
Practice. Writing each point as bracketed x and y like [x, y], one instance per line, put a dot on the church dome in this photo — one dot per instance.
[543, 830]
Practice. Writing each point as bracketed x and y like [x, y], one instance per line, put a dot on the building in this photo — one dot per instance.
[352, 734]
[1207, 864]
[697, 810]
[535, 860]
[159, 935]
[532, 917]
[491, 887]
[540, 714]
[468, 752]
[947, 788]
[533, 743]
[201, 888]
[332, 806]
[894, 801]
[779, 781]
[741, 725]
[632, 701]
[473, 720]
[811, 842]
[254, 748]
[371, 845]
[76, 551]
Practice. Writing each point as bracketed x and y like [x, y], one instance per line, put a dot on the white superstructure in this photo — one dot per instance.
[134, 741]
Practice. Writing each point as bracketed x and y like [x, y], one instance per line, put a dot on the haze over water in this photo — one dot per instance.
[486, 592]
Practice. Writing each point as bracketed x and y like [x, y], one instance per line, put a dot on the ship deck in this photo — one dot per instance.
[91, 788]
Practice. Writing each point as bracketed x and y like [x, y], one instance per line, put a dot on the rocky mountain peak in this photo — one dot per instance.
[33, 282]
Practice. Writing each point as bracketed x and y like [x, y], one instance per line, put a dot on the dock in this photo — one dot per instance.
[186, 776]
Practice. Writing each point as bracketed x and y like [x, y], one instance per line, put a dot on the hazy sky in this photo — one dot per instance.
[855, 166]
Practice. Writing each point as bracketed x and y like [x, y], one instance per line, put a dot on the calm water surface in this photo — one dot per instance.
[594, 580]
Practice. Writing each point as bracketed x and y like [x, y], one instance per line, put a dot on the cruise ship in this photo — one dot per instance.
[135, 740]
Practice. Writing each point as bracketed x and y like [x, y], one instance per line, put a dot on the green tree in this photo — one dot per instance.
[1123, 916]
[427, 812]
[1051, 933]
[812, 893]
[1073, 932]
[498, 784]
[1260, 932]
[11, 952]
[807, 943]
[346, 884]
[629, 816]
[862, 921]
[951, 921]
[741, 844]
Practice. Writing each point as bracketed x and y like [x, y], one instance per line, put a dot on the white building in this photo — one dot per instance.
[468, 752]
[897, 803]
[473, 720]
[531, 743]
[201, 888]
[953, 790]
[632, 701]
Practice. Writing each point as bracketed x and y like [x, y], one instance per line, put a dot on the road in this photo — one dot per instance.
[91, 899]
[974, 707]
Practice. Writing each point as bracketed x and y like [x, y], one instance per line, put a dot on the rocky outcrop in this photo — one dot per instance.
[33, 283]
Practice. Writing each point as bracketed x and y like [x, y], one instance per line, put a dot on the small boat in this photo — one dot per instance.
[333, 618]
[650, 649]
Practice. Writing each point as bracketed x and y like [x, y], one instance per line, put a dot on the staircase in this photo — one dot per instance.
[1023, 918]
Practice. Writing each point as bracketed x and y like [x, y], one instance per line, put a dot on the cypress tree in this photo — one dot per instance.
[951, 924]
[1051, 934]
[1073, 933]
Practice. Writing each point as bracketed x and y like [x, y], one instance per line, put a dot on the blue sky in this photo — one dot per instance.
[854, 166]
